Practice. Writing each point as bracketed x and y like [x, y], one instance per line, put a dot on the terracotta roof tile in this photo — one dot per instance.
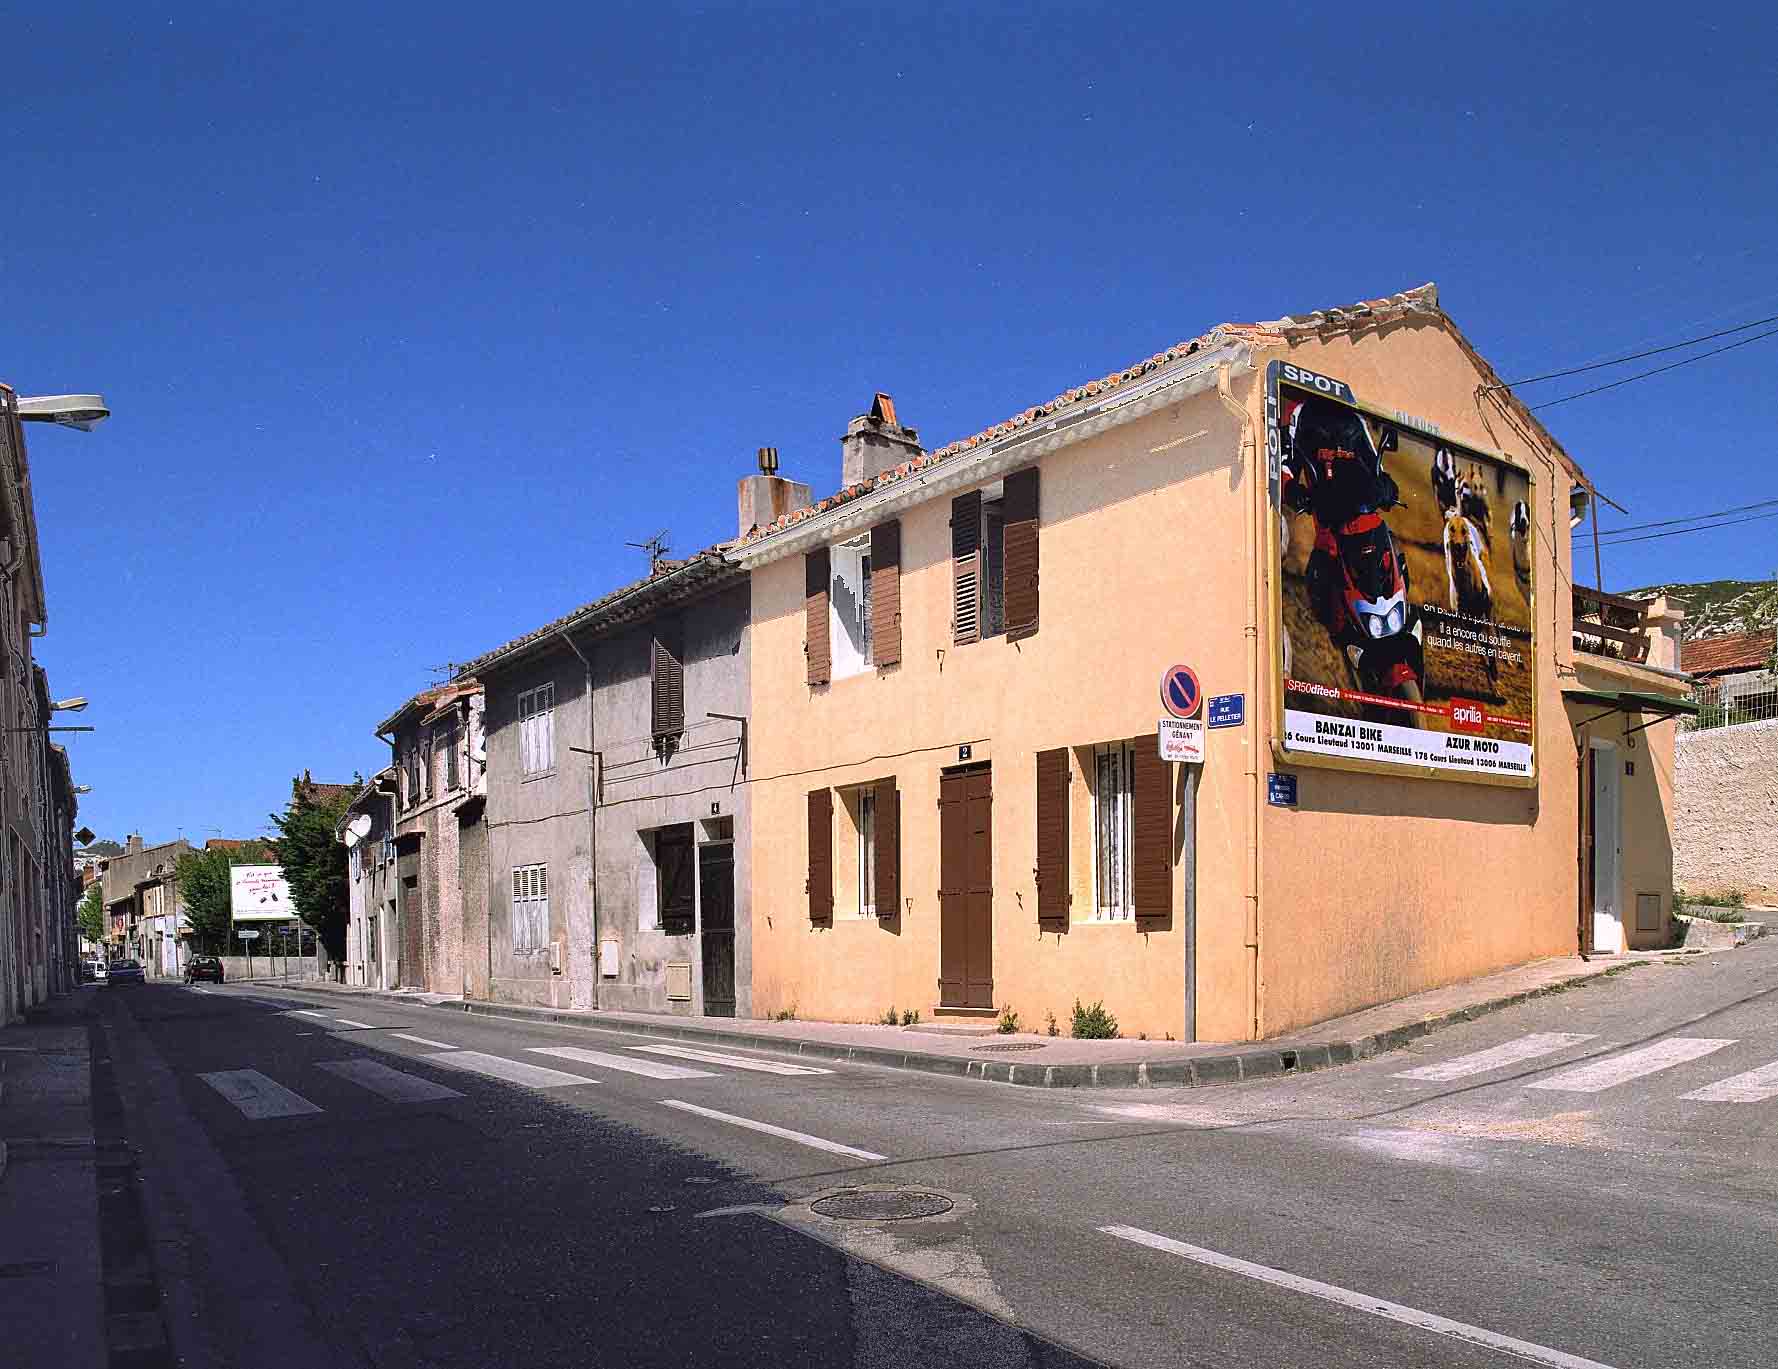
[1731, 651]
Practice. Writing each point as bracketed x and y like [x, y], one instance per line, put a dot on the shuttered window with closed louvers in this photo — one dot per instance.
[885, 594]
[668, 670]
[966, 568]
[1053, 897]
[886, 817]
[1020, 504]
[817, 644]
[1151, 837]
[821, 857]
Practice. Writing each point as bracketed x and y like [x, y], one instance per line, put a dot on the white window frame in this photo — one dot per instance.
[849, 568]
[1112, 901]
[530, 909]
[537, 730]
[867, 852]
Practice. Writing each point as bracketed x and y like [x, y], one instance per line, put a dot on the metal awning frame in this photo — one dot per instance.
[1628, 702]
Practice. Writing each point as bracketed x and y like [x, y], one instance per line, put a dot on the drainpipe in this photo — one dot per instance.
[592, 824]
[1254, 541]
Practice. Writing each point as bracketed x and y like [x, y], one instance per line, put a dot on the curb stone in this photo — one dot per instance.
[1234, 1066]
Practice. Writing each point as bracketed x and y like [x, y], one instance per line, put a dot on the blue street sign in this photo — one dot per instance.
[1228, 710]
[1281, 790]
[1180, 694]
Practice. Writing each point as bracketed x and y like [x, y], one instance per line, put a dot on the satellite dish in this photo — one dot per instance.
[359, 826]
[349, 837]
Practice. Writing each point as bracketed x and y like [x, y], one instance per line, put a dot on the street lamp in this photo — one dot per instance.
[71, 411]
[83, 789]
[74, 705]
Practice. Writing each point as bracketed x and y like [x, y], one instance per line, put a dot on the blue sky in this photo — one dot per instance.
[411, 316]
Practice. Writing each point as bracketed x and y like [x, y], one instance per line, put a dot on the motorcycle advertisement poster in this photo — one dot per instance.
[1404, 600]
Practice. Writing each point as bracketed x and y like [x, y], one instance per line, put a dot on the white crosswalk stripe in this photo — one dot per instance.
[1754, 1086]
[513, 1071]
[623, 1063]
[1498, 1057]
[356, 1026]
[393, 1084]
[740, 1062]
[257, 1096]
[1598, 1075]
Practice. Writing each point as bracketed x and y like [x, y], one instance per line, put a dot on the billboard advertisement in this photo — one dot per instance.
[258, 893]
[1403, 600]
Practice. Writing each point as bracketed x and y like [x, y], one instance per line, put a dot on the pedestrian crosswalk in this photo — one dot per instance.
[1605, 1067]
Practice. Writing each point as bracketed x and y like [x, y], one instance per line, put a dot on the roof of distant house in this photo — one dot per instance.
[1730, 652]
[232, 843]
[431, 702]
[319, 792]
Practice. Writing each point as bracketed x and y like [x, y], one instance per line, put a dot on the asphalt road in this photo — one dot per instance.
[343, 1181]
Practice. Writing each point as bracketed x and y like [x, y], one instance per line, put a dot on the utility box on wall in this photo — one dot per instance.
[679, 981]
[608, 957]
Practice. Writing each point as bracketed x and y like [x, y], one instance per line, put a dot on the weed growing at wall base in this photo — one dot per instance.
[1094, 1023]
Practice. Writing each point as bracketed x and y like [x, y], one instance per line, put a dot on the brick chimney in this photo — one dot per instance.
[765, 497]
[133, 842]
[875, 442]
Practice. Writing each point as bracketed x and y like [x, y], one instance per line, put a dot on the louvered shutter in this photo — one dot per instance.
[668, 671]
[817, 573]
[1020, 504]
[887, 819]
[1053, 773]
[885, 593]
[1151, 836]
[966, 568]
[821, 857]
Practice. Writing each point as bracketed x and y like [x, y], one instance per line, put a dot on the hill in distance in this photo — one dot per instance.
[1714, 608]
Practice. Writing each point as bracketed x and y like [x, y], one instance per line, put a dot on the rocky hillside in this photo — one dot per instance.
[1715, 607]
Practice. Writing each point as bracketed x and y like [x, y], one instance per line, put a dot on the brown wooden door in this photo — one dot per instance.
[966, 889]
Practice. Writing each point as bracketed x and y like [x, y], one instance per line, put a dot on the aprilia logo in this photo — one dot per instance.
[1467, 715]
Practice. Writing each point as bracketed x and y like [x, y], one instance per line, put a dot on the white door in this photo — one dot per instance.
[1608, 917]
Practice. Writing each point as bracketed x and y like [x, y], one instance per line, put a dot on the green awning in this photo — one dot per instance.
[1633, 701]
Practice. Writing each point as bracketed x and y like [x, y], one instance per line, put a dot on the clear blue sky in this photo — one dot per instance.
[410, 316]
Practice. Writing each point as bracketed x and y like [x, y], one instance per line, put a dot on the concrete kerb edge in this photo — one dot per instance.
[1253, 1062]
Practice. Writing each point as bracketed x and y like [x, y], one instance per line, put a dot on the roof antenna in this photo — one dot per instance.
[656, 547]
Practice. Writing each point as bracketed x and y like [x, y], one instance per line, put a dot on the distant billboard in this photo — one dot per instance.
[258, 893]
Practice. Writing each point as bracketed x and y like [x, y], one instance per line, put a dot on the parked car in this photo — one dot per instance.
[203, 967]
[101, 971]
[90, 969]
[126, 972]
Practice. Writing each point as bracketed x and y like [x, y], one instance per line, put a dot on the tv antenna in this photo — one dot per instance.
[656, 547]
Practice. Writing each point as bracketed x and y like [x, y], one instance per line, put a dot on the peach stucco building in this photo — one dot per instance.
[959, 803]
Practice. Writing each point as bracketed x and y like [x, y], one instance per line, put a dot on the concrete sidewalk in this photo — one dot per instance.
[978, 1051]
[52, 1295]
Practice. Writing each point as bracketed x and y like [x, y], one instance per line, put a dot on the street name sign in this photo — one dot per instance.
[1228, 710]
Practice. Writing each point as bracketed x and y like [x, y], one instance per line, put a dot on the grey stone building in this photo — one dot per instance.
[373, 938]
[143, 905]
[617, 814]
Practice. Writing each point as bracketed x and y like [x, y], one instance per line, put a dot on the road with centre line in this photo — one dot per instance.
[426, 1187]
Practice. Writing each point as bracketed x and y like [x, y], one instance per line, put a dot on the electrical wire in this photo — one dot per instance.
[1696, 517]
[1636, 356]
[1675, 532]
[1644, 375]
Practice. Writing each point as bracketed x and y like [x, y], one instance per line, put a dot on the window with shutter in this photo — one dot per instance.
[668, 670]
[816, 642]
[885, 593]
[1053, 775]
[867, 852]
[886, 868]
[537, 737]
[821, 857]
[1021, 509]
[1151, 836]
[530, 909]
[966, 568]
[1112, 767]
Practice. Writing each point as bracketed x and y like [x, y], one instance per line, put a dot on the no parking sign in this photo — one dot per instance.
[1180, 694]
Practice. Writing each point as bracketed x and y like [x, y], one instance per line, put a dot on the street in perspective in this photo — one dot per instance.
[865, 687]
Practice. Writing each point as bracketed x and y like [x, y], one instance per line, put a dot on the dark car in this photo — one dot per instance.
[203, 967]
[126, 972]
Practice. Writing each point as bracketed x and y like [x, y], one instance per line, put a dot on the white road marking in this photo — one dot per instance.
[297, 1012]
[513, 1071]
[623, 1063]
[1497, 1057]
[424, 1041]
[257, 1096]
[740, 1062]
[802, 1138]
[1392, 1311]
[1755, 1086]
[1620, 1069]
[388, 1083]
[361, 1026]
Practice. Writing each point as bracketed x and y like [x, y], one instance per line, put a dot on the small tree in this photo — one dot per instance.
[206, 890]
[315, 867]
[90, 915]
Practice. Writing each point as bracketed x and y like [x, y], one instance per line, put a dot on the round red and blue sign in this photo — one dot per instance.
[1180, 694]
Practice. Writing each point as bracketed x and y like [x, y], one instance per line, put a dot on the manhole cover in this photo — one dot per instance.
[1012, 1046]
[897, 1206]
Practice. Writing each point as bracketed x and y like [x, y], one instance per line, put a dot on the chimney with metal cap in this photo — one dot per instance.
[876, 442]
[766, 497]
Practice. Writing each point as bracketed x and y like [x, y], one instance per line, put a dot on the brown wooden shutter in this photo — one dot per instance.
[1053, 772]
[821, 854]
[887, 804]
[1151, 836]
[1020, 503]
[818, 646]
[966, 568]
[885, 594]
[668, 670]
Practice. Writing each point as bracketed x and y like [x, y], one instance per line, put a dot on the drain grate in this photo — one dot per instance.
[1012, 1046]
[898, 1205]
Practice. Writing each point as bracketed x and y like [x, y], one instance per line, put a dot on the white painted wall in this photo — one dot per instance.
[1725, 801]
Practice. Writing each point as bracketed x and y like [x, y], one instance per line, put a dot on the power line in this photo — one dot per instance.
[1671, 366]
[1696, 517]
[1675, 532]
[1636, 356]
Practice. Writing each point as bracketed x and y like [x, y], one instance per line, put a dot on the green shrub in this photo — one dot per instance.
[785, 1014]
[1009, 1021]
[1094, 1023]
[1052, 1027]
[890, 1018]
[910, 1017]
